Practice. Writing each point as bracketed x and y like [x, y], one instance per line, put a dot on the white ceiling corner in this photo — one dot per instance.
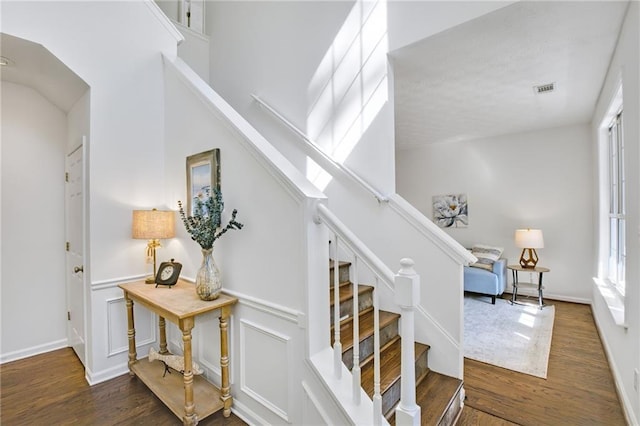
[32, 65]
[477, 79]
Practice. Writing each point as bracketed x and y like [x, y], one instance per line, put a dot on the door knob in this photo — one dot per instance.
[78, 269]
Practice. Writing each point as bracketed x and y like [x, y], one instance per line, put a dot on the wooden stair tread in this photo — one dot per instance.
[437, 395]
[346, 292]
[434, 394]
[390, 366]
[340, 263]
[366, 327]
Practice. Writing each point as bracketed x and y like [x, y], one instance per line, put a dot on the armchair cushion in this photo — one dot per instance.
[486, 255]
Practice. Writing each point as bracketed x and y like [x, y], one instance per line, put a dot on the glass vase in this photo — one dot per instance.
[208, 280]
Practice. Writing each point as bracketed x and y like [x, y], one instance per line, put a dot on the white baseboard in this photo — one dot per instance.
[34, 350]
[552, 296]
[104, 375]
[627, 407]
[246, 415]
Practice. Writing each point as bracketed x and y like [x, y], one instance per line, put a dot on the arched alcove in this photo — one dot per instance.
[45, 112]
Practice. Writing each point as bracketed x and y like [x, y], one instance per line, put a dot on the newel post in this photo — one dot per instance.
[407, 291]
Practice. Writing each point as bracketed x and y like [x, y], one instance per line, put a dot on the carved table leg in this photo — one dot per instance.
[163, 335]
[131, 333]
[224, 361]
[190, 417]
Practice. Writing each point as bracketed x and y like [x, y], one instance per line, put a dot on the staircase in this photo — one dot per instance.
[437, 395]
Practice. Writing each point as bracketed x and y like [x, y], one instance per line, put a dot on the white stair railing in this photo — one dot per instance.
[406, 284]
[355, 371]
[337, 343]
[407, 294]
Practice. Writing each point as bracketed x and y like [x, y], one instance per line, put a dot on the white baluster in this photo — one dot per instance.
[407, 294]
[337, 344]
[377, 397]
[355, 371]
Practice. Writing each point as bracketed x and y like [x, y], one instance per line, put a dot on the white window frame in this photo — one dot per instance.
[609, 280]
[617, 220]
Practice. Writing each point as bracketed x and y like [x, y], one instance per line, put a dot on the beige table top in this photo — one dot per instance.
[174, 303]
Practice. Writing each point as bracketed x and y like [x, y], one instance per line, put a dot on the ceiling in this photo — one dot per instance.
[32, 65]
[477, 79]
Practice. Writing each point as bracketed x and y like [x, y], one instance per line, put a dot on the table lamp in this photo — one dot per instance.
[153, 225]
[529, 240]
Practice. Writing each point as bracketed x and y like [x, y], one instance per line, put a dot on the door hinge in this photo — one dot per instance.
[68, 316]
[67, 246]
[66, 176]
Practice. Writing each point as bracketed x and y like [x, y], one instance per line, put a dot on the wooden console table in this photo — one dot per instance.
[180, 304]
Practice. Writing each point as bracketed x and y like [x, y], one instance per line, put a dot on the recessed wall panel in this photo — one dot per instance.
[265, 356]
[145, 324]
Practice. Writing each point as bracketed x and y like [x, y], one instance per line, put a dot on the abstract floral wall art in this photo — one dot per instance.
[451, 211]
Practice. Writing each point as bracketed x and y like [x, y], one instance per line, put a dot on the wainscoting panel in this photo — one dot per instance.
[205, 345]
[265, 356]
[145, 323]
[208, 348]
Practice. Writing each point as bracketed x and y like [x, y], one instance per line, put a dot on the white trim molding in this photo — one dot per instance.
[111, 351]
[284, 360]
[34, 350]
[625, 402]
[113, 282]
[164, 21]
[614, 301]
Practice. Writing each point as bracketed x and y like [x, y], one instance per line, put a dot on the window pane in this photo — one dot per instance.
[617, 249]
[621, 253]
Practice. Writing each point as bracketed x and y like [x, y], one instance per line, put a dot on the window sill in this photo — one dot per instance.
[613, 299]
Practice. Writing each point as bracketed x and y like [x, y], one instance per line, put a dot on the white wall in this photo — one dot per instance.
[411, 21]
[323, 66]
[171, 8]
[292, 61]
[115, 47]
[78, 120]
[265, 264]
[195, 51]
[539, 180]
[623, 344]
[34, 138]
[306, 46]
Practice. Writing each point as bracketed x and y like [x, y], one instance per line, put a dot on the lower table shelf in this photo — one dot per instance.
[170, 388]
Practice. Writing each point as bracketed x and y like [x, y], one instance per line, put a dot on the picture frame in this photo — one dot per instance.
[203, 174]
[451, 210]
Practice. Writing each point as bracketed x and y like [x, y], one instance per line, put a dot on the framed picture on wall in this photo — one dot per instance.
[203, 176]
[451, 211]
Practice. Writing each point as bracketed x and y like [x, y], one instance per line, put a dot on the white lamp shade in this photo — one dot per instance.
[153, 224]
[529, 238]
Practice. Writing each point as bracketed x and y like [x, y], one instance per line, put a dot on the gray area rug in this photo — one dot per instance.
[516, 337]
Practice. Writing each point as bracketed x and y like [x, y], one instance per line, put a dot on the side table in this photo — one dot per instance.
[518, 284]
[180, 305]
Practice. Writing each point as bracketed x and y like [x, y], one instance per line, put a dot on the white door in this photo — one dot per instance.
[75, 258]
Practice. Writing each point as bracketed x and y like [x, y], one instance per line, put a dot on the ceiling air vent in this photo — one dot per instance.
[544, 88]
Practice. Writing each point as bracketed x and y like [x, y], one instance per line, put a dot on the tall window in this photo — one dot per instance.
[617, 251]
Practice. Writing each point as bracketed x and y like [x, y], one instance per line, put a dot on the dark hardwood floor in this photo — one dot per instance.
[50, 389]
[579, 389]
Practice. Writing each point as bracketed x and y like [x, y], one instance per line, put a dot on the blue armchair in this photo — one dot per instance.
[492, 283]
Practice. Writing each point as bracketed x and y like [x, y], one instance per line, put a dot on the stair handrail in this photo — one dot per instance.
[407, 286]
[379, 268]
[323, 156]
